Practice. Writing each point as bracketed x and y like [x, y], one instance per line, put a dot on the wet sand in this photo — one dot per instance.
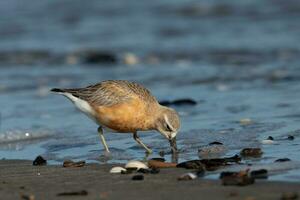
[20, 180]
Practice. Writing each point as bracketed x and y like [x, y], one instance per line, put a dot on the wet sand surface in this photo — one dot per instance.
[237, 60]
[20, 180]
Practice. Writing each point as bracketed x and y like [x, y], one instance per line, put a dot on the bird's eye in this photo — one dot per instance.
[168, 128]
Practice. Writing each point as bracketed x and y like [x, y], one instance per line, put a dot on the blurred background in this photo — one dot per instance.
[236, 61]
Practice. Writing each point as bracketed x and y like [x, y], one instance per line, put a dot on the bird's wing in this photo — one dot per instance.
[108, 93]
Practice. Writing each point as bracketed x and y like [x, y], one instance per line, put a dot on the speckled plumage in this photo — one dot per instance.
[125, 107]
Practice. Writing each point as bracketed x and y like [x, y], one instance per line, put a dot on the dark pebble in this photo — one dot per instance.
[192, 164]
[251, 152]
[76, 193]
[282, 160]
[216, 143]
[100, 57]
[179, 102]
[159, 159]
[270, 138]
[138, 177]
[289, 196]
[39, 161]
[290, 137]
[70, 163]
[209, 164]
[236, 178]
[259, 174]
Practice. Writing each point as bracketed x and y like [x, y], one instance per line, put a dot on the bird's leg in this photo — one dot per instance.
[100, 131]
[138, 140]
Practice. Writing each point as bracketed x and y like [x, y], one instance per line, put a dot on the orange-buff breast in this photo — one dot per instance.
[130, 116]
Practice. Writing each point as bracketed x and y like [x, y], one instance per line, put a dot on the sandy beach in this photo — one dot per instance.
[21, 180]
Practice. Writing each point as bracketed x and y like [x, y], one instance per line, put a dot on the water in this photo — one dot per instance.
[237, 59]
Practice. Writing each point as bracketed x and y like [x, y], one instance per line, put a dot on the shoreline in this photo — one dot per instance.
[19, 179]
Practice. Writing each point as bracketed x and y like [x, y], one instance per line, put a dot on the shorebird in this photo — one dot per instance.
[124, 107]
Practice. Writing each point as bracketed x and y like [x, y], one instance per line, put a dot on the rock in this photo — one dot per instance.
[259, 174]
[290, 137]
[236, 178]
[159, 164]
[251, 152]
[70, 163]
[179, 102]
[282, 160]
[136, 164]
[39, 161]
[209, 164]
[96, 57]
[116, 170]
[216, 143]
[187, 176]
[138, 177]
[192, 164]
[215, 163]
[270, 138]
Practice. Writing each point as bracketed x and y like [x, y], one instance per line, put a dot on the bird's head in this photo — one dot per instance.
[168, 122]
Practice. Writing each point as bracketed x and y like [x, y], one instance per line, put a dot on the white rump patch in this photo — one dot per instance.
[82, 105]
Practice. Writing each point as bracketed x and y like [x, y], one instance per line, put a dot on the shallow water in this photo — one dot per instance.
[238, 60]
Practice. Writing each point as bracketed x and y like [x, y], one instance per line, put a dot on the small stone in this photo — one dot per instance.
[290, 137]
[282, 160]
[70, 163]
[179, 102]
[251, 152]
[39, 161]
[216, 143]
[270, 138]
[138, 177]
[192, 164]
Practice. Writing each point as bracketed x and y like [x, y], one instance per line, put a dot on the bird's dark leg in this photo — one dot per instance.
[100, 131]
[138, 140]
